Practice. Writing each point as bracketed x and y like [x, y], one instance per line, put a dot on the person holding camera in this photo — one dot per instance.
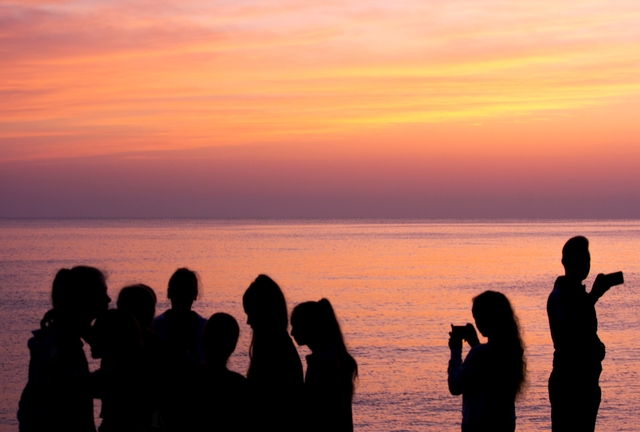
[493, 374]
[574, 389]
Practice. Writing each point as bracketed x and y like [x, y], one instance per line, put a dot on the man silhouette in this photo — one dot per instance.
[574, 390]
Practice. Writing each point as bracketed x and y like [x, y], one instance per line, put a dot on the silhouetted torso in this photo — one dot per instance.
[574, 390]
[179, 351]
[574, 326]
[486, 381]
[327, 392]
[182, 332]
[275, 384]
[125, 389]
[220, 400]
[54, 398]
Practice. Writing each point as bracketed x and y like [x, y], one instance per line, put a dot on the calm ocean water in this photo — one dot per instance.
[396, 287]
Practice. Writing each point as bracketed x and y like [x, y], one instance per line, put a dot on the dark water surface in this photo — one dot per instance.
[396, 287]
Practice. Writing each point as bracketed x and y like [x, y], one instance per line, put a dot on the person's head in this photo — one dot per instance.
[140, 301]
[219, 338]
[265, 306]
[79, 294]
[496, 320]
[115, 335]
[576, 258]
[183, 289]
[315, 324]
[304, 323]
[493, 314]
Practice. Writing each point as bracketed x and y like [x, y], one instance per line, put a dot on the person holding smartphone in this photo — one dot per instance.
[493, 374]
[574, 389]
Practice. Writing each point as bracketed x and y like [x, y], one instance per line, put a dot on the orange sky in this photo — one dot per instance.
[498, 97]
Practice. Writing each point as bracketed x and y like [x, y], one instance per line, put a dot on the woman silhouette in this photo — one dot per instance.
[493, 374]
[331, 371]
[54, 397]
[275, 370]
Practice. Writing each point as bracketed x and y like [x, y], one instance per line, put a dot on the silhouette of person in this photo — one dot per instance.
[574, 390]
[140, 301]
[54, 399]
[179, 333]
[123, 382]
[493, 374]
[220, 395]
[180, 324]
[275, 371]
[331, 371]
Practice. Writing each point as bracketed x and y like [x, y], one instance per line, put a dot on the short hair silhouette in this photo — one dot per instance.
[140, 301]
[265, 305]
[115, 333]
[496, 319]
[575, 249]
[220, 337]
[575, 257]
[183, 288]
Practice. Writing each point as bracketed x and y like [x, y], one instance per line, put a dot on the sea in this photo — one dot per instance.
[396, 286]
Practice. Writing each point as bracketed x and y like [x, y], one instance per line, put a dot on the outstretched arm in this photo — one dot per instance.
[599, 288]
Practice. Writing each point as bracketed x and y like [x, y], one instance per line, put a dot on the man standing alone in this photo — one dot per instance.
[574, 389]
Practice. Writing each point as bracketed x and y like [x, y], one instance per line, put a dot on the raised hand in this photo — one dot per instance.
[455, 341]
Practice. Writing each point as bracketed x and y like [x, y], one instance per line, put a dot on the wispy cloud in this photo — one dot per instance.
[102, 76]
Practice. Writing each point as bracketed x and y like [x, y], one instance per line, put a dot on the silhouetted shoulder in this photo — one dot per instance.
[236, 379]
[464, 375]
[220, 400]
[54, 396]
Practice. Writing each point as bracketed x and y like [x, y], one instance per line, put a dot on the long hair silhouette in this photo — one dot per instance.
[495, 319]
[275, 370]
[266, 310]
[49, 402]
[319, 320]
[116, 333]
[140, 301]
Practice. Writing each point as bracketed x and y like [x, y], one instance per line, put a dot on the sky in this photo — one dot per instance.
[320, 108]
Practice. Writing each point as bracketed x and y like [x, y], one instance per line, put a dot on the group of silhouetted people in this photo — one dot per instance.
[169, 372]
[494, 373]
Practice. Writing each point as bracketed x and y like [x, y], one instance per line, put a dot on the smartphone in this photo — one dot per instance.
[460, 331]
[613, 279]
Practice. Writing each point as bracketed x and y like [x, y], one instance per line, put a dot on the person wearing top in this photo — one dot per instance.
[219, 394]
[179, 335]
[180, 326]
[574, 389]
[331, 371]
[275, 370]
[493, 374]
[55, 397]
[124, 381]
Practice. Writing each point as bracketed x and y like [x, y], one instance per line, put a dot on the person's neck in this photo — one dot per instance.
[216, 364]
[318, 346]
[70, 328]
[180, 311]
[573, 280]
